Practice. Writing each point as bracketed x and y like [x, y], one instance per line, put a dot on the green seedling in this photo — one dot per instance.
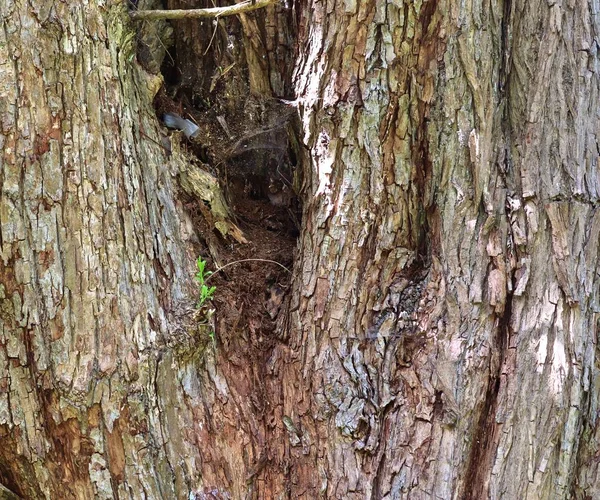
[202, 276]
[206, 292]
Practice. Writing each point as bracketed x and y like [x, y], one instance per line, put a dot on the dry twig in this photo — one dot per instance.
[230, 10]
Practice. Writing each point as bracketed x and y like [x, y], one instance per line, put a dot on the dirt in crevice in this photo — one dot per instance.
[245, 141]
[250, 293]
[250, 144]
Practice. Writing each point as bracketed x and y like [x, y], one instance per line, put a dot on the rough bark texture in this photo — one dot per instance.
[92, 265]
[444, 323]
[440, 337]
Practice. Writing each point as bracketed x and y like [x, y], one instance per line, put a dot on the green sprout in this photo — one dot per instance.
[206, 292]
[202, 276]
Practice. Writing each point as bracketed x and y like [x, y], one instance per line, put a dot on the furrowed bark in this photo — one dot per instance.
[92, 269]
[444, 323]
[440, 339]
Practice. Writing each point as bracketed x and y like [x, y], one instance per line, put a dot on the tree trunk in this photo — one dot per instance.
[445, 306]
[439, 337]
[93, 267]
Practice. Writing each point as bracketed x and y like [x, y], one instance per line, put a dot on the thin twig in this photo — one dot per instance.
[246, 260]
[230, 10]
[155, 142]
[212, 37]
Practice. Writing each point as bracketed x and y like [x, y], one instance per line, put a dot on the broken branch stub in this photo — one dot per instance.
[230, 10]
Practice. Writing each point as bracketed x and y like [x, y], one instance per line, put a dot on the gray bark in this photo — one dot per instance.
[444, 323]
[93, 265]
[440, 339]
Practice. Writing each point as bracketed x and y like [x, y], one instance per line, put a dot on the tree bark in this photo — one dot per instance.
[444, 318]
[93, 266]
[440, 336]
